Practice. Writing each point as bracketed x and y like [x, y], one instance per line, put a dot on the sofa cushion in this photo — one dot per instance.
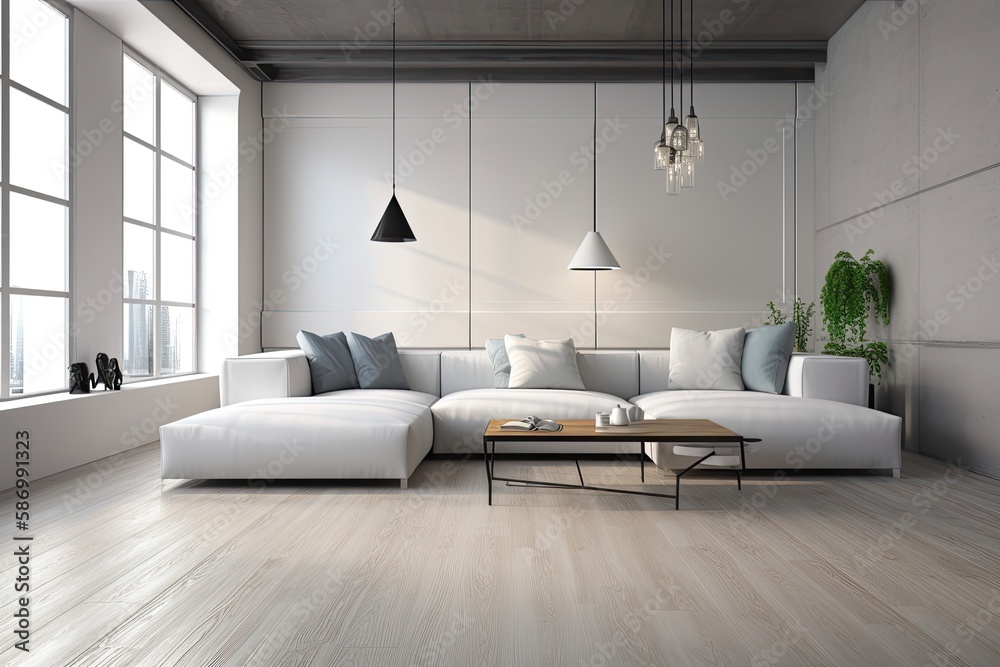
[330, 363]
[766, 352]
[706, 359]
[542, 364]
[461, 417]
[497, 352]
[377, 362]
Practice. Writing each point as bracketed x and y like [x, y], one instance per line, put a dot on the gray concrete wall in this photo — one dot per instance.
[907, 163]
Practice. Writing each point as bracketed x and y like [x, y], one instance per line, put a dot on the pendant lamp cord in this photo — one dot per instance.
[682, 56]
[663, 63]
[671, 55]
[394, 103]
[691, 53]
[595, 209]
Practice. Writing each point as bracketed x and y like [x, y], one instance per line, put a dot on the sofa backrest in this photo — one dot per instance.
[654, 367]
[422, 369]
[608, 371]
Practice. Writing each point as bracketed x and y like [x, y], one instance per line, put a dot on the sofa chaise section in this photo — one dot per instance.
[819, 422]
[317, 437]
[269, 426]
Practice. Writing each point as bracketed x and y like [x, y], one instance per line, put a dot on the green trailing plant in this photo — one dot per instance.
[853, 288]
[802, 314]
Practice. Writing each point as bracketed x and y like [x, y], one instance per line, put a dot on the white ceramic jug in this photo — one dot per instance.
[619, 416]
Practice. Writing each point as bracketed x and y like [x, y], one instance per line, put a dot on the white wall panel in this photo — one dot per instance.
[329, 181]
[532, 204]
[822, 155]
[873, 110]
[959, 420]
[804, 195]
[960, 258]
[959, 88]
[321, 100]
[537, 100]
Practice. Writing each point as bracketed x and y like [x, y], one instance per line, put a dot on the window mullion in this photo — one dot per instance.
[5, 205]
[158, 241]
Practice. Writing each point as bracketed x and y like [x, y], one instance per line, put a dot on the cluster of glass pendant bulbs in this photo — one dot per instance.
[680, 144]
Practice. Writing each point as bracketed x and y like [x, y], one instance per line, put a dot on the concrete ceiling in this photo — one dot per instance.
[532, 40]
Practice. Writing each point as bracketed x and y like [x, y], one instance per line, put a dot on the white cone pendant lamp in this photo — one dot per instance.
[594, 254]
[393, 227]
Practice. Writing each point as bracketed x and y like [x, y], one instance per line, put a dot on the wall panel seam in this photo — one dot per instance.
[911, 195]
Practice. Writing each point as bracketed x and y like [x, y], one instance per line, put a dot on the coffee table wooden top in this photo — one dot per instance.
[647, 430]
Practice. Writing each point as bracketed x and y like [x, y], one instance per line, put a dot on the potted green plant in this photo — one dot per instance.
[851, 290]
[802, 314]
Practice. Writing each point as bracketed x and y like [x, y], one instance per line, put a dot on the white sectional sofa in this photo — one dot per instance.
[269, 426]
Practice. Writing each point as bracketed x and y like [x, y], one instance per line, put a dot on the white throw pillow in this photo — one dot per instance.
[542, 364]
[706, 359]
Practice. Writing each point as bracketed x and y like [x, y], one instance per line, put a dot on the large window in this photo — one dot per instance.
[34, 247]
[159, 224]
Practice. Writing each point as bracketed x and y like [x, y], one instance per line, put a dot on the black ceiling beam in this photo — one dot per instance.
[527, 61]
[535, 74]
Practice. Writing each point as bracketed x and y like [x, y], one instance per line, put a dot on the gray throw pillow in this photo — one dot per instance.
[377, 362]
[706, 359]
[766, 352]
[501, 362]
[330, 362]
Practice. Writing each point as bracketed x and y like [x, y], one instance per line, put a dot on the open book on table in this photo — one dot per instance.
[531, 424]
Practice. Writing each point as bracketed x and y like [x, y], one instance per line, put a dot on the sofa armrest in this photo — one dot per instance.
[267, 375]
[842, 379]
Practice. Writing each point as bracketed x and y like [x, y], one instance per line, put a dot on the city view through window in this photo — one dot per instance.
[34, 282]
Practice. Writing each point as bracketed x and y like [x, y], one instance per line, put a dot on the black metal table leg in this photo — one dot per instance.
[489, 474]
[642, 462]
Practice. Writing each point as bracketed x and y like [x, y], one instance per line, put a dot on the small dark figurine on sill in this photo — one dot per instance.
[108, 373]
[79, 382]
[116, 373]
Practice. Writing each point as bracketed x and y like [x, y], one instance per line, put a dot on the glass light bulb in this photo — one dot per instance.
[669, 128]
[673, 176]
[686, 176]
[661, 155]
[678, 139]
[696, 148]
[691, 123]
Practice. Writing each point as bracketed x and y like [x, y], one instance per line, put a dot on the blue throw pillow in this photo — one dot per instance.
[501, 362]
[330, 362]
[766, 352]
[377, 362]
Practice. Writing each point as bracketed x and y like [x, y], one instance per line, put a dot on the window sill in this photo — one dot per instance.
[46, 399]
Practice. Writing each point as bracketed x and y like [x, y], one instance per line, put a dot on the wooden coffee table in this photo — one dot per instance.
[584, 430]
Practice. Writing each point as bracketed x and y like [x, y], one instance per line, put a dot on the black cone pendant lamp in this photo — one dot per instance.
[393, 227]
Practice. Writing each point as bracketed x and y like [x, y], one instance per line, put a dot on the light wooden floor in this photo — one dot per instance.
[820, 570]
